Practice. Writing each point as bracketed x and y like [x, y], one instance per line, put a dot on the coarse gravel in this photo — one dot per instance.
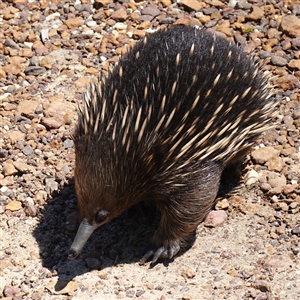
[49, 52]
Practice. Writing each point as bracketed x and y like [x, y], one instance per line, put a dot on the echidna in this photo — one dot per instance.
[175, 111]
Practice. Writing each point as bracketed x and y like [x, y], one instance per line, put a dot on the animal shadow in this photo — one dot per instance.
[121, 241]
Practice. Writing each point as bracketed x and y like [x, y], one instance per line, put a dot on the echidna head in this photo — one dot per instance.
[98, 200]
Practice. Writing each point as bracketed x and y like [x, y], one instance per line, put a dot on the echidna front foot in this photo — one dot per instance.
[160, 252]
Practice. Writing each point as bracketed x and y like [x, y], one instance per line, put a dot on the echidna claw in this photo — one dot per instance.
[159, 252]
[147, 255]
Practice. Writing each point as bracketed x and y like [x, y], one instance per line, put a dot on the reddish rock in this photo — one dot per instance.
[215, 218]
[192, 5]
[74, 23]
[15, 135]
[294, 63]
[256, 14]
[119, 15]
[291, 25]
[27, 107]
[262, 155]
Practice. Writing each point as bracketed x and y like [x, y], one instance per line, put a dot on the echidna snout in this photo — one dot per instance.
[162, 126]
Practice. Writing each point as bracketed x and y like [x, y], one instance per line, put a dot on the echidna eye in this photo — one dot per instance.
[101, 216]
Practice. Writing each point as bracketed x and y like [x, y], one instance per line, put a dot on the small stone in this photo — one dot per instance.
[34, 61]
[23, 167]
[14, 205]
[26, 52]
[119, 15]
[261, 285]
[278, 60]
[232, 3]
[7, 181]
[27, 150]
[261, 296]
[165, 3]
[51, 186]
[275, 164]
[103, 2]
[291, 25]
[91, 23]
[130, 293]
[296, 230]
[251, 177]
[189, 273]
[278, 181]
[138, 34]
[52, 123]
[68, 143]
[12, 44]
[294, 64]
[232, 272]
[35, 70]
[74, 23]
[47, 61]
[215, 218]
[3, 153]
[139, 293]
[262, 155]
[287, 82]
[39, 109]
[192, 5]
[150, 10]
[82, 82]
[9, 169]
[10, 291]
[280, 230]
[103, 276]
[13, 69]
[256, 14]
[186, 297]
[120, 26]
[41, 197]
[92, 71]
[27, 108]
[223, 204]
[30, 208]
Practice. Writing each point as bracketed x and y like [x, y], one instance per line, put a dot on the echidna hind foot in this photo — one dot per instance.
[183, 211]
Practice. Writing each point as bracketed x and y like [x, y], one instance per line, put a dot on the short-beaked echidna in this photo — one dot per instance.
[162, 126]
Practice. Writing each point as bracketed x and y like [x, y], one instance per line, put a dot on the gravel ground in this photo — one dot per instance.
[49, 51]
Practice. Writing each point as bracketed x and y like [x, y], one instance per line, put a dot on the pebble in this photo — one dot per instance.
[189, 273]
[51, 186]
[262, 155]
[278, 61]
[262, 285]
[251, 177]
[27, 150]
[9, 169]
[215, 218]
[68, 143]
[14, 205]
[296, 230]
[34, 70]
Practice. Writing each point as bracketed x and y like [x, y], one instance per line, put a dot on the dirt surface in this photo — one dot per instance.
[49, 51]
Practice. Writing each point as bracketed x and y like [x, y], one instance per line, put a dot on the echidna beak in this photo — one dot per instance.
[83, 233]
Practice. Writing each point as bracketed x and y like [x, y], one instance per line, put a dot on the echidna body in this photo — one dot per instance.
[177, 108]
